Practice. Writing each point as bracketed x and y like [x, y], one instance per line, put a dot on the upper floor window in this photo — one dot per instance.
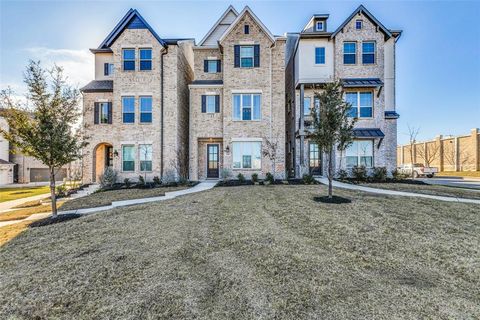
[128, 158]
[246, 29]
[247, 56]
[210, 103]
[146, 109]
[320, 55]
[212, 66]
[107, 69]
[361, 104]
[319, 26]
[349, 52]
[128, 109]
[128, 56]
[307, 106]
[146, 156]
[247, 155]
[104, 112]
[368, 52]
[358, 24]
[246, 107]
[145, 59]
[360, 153]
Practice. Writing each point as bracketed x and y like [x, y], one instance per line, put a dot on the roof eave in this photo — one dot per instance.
[230, 8]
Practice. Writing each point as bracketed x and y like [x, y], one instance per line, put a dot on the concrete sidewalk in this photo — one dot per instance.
[4, 206]
[342, 185]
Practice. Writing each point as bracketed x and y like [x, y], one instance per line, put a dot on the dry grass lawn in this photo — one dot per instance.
[251, 252]
[19, 214]
[7, 194]
[459, 174]
[9, 232]
[105, 198]
[436, 190]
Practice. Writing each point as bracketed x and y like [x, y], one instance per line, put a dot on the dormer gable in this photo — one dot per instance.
[317, 23]
[132, 20]
[219, 28]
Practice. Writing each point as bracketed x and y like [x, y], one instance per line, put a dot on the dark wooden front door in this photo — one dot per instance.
[314, 159]
[212, 161]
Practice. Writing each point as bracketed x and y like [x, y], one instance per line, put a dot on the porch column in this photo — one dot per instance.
[301, 126]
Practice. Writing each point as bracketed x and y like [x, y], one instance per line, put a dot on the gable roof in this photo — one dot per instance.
[362, 9]
[221, 25]
[255, 18]
[322, 16]
[132, 20]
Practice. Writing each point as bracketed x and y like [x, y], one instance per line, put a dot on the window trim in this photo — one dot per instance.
[246, 29]
[207, 96]
[140, 156]
[358, 91]
[123, 110]
[372, 141]
[252, 56]
[134, 59]
[140, 59]
[216, 65]
[356, 24]
[241, 163]
[320, 29]
[100, 113]
[354, 54]
[252, 94]
[324, 56]
[140, 110]
[309, 106]
[123, 157]
[374, 52]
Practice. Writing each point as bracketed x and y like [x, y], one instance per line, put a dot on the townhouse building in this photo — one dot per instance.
[136, 108]
[361, 54]
[237, 99]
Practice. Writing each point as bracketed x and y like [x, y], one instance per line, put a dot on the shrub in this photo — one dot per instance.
[342, 174]
[61, 191]
[225, 174]
[379, 174]
[269, 178]
[157, 180]
[127, 183]
[108, 178]
[255, 177]
[308, 179]
[397, 175]
[141, 181]
[359, 173]
[182, 180]
[241, 178]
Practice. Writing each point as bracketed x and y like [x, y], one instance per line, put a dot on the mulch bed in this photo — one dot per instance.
[53, 220]
[333, 200]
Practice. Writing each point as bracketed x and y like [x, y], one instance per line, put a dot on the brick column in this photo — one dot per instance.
[476, 142]
[438, 139]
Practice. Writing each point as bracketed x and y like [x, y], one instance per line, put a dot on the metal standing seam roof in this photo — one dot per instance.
[391, 115]
[362, 82]
[98, 86]
[368, 133]
[207, 82]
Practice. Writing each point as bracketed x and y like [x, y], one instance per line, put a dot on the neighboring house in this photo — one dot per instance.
[136, 109]
[361, 54]
[237, 99]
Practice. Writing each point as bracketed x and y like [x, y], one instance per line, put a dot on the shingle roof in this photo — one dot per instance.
[207, 82]
[361, 82]
[98, 86]
[391, 115]
[368, 133]
[175, 41]
[5, 162]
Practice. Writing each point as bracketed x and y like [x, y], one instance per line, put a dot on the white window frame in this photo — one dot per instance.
[123, 157]
[309, 99]
[359, 106]
[324, 56]
[361, 24]
[322, 28]
[236, 144]
[215, 63]
[354, 53]
[207, 98]
[142, 154]
[374, 52]
[111, 69]
[247, 57]
[134, 59]
[140, 59]
[358, 154]
[242, 95]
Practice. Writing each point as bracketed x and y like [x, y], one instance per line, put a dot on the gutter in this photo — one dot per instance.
[161, 110]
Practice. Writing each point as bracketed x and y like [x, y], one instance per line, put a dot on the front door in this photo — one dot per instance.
[314, 159]
[212, 161]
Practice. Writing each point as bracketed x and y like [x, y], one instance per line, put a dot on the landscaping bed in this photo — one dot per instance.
[250, 253]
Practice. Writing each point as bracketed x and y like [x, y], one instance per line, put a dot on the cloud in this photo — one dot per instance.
[78, 65]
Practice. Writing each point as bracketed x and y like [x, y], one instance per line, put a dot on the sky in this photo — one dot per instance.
[438, 54]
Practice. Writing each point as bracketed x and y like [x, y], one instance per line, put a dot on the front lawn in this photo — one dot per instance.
[251, 252]
[105, 198]
[7, 194]
[430, 189]
[475, 174]
[19, 214]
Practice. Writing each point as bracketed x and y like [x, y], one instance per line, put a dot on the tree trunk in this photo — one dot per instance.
[52, 192]
[330, 173]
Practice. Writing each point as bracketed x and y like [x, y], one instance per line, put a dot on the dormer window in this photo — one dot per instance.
[320, 26]
[246, 29]
[358, 24]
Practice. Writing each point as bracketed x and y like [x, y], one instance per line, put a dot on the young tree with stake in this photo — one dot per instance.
[46, 130]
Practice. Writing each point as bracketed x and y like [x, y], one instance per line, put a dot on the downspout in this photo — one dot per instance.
[161, 110]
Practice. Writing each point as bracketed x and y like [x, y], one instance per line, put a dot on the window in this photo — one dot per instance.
[146, 109]
[246, 107]
[210, 104]
[246, 56]
[368, 52]
[103, 112]
[306, 106]
[145, 59]
[247, 155]
[128, 158]
[319, 26]
[360, 153]
[362, 104]
[128, 59]
[107, 69]
[320, 55]
[246, 29]
[128, 109]
[314, 158]
[349, 52]
[358, 24]
[212, 66]
[146, 155]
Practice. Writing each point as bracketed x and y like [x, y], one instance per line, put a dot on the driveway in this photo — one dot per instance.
[470, 183]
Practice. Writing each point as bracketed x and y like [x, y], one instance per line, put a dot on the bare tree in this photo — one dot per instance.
[180, 164]
[429, 153]
[412, 138]
[450, 155]
[270, 150]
